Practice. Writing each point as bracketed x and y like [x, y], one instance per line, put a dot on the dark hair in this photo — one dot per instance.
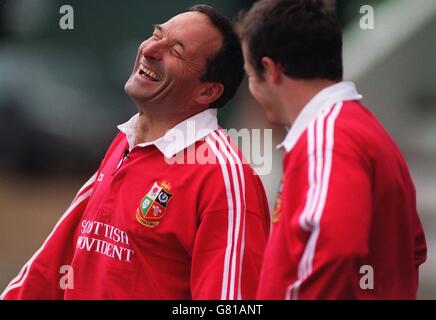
[303, 36]
[227, 65]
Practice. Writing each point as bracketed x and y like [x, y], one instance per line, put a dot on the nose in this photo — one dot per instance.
[153, 50]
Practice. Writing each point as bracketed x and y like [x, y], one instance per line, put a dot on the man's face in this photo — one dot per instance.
[169, 63]
[261, 89]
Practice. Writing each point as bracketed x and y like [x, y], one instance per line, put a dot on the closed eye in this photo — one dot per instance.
[157, 32]
[176, 46]
[157, 36]
[177, 51]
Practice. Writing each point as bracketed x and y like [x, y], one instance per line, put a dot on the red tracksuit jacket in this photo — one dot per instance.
[346, 225]
[145, 228]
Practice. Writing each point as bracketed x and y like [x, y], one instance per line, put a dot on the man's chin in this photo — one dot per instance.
[273, 118]
[135, 93]
[127, 88]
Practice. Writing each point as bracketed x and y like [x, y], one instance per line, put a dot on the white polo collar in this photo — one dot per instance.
[342, 91]
[178, 138]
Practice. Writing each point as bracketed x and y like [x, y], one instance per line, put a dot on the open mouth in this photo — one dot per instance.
[144, 72]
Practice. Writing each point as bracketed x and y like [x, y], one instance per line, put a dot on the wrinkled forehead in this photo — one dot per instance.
[195, 30]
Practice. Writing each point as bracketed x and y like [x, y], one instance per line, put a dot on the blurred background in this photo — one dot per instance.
[61, 97]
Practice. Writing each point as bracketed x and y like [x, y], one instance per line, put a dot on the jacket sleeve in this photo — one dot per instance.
[40, 277]
[230, 240]
[336, 219]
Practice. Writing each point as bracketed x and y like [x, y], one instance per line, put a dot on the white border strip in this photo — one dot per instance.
[242, 215]
[226, 177]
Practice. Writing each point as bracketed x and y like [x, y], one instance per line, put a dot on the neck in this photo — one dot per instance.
[297, 94]
[151, 126]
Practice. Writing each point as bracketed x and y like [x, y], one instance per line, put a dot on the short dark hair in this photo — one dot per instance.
[227, 65]
[303, 36]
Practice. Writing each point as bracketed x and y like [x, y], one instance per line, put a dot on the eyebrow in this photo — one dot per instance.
[160, 28]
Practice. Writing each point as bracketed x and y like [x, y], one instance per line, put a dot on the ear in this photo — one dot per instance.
[272, 72]
[210, 92]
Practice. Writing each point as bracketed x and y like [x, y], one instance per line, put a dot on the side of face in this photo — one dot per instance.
[170, 62]
[263, 89]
